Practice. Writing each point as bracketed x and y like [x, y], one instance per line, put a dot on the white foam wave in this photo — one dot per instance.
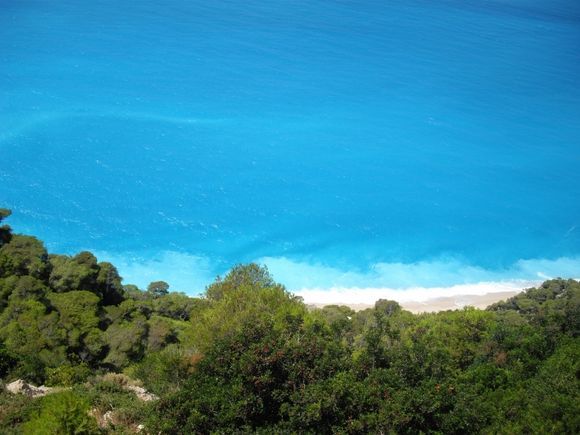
[435, 274]
[323, 284]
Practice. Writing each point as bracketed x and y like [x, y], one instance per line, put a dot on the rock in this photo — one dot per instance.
[104, 421]
[141, 393]
[129, 384]
[22, 387]
[108, 417]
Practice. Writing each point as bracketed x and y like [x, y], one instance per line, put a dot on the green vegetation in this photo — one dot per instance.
[62, 413]
[248, 356]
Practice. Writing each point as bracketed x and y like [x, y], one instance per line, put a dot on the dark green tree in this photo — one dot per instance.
[73, 273]
[251, 276]
[24, 255]
[108, 284]
[5, 230]
[157, 289]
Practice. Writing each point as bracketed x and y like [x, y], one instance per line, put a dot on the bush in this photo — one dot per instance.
[14, 410]
[29, 368]
[7, 361]
[62, 413]
[164, 371]
[67, 376]
[107, 394]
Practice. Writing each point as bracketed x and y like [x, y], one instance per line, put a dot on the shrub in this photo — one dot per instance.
[14, 410]
[68, 375]
[62, 413]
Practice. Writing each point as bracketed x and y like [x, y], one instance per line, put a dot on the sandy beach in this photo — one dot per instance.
[440, 303]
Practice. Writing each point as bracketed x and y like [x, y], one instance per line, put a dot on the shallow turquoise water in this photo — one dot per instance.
[318, 136]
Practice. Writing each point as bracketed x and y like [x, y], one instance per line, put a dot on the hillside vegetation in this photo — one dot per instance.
[248, 356]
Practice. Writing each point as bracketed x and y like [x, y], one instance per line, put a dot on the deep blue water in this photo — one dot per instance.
[322, 136]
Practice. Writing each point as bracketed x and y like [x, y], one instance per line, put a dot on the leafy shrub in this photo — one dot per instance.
[107, 394]
[62, 413]
[14, 410]
[30, 368]
[164, 371]
[68, 375]
[7, 361]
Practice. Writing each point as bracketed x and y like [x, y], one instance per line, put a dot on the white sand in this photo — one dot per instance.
[436, 304]
[369, 295]
[455, 302]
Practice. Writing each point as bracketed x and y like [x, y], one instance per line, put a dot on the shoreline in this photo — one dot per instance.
[436, 304]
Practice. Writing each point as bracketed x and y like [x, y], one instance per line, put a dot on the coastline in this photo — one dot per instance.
[443, 303]
[419, 299]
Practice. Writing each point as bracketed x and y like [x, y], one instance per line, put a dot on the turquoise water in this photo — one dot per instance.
[343, 143]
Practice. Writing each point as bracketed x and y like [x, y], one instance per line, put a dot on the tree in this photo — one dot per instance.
[175, 305]
[339, 318]
[78, 316]
[250, 275]
[126, 341]
[24, 255]
[73, 273]
[7, 361]
[158, 288]
[160, 333]
[247, 376]
[247, 294]
[5, 230]
[20, 288]
[387, 307]
[108, 284]
[30, 330]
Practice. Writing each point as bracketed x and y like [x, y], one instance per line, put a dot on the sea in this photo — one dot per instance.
[396, 146]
